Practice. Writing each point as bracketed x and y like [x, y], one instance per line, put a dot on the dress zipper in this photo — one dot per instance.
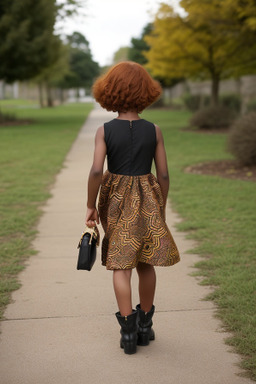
[131, 146]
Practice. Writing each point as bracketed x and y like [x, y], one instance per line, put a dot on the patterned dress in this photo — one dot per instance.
[131, 205]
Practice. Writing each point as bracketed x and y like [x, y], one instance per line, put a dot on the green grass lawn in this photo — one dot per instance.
[221, 215]
[18, 103]
[30, 157]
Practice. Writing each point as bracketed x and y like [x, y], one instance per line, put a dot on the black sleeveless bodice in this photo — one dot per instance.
[130, 146]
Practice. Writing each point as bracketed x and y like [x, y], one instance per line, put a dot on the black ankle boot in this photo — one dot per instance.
[128, 331]
[145, 331]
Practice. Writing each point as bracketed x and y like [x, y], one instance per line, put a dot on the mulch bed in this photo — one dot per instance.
[12, 123]
[224, 168]
[207, 131]
[230, 169]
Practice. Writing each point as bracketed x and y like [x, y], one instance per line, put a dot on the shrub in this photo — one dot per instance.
[6, 118]
[212, 118]
[251, 106]
[242, 139]
[177, 103]
[194, 102]
[231, 101]
[159, 103]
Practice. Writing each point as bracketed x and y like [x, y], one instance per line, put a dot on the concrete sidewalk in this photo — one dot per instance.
[61, 328]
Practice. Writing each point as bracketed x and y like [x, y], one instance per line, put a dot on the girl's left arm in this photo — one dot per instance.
[95, 177]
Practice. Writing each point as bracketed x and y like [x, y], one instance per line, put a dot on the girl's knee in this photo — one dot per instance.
[143, 267]
[123, 273]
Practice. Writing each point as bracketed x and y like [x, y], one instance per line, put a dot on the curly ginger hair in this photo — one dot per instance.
[127, 86]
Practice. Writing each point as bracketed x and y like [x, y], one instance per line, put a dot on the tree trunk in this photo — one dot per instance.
[49, 96]
[77, 95]
[61, 93]
[215, 91]
[3, 90]
[40, 92]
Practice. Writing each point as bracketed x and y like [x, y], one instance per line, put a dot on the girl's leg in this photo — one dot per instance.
[147, 285]
[127, 318]
[123, 292]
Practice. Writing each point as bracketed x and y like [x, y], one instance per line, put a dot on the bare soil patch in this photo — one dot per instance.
[14, 123]
[207, 131]
[224, 168]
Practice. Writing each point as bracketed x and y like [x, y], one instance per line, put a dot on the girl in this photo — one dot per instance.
[132, 200]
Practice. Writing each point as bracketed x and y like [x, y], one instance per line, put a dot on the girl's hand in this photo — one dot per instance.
[91, 217]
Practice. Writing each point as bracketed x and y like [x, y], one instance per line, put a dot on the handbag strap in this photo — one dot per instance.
[93, 232]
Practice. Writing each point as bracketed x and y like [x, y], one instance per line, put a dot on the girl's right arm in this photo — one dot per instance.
[95, 176]
[161, 164]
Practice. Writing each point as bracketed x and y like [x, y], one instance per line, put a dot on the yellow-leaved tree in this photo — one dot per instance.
[213, 40]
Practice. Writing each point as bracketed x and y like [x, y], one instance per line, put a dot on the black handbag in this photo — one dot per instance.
[87, 248]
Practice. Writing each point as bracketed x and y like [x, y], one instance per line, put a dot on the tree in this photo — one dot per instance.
[121, 54]
[53, 75]
[137, 53]
[27, 35]
[207, 42]
[244, 12]
[66, 8]
[233, 21]
[139, 46]
[26, 28]
[83, 69]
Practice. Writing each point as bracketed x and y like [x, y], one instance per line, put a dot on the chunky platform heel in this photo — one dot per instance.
[129, 347]
[128, 332]
[145, 331]
[144, 338]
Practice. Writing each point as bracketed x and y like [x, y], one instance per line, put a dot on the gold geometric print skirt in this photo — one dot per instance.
[131, 211]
